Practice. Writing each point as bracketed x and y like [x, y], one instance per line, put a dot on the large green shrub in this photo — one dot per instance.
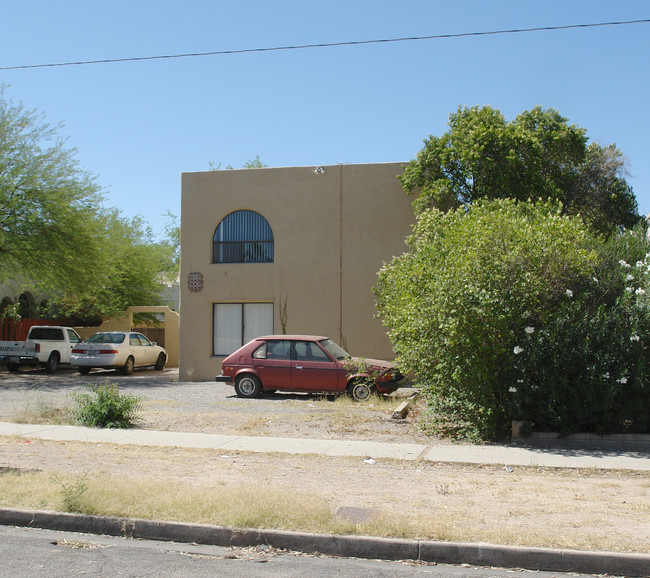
[586, 368]
[456, 303]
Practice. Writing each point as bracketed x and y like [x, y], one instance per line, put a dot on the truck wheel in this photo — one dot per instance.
[13, 367]
[52, 362]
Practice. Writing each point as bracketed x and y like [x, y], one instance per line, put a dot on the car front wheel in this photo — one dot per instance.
[360, 391]
[160, 363]
[248, 386]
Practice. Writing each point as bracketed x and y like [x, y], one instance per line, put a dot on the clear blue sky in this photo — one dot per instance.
[139, 125]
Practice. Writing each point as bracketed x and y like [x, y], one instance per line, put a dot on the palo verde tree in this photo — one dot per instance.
[48, 205]
[131, 269]
[539, 155]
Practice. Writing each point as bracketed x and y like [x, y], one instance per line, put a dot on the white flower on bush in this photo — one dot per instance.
[512, 389]
[622, 381]
[606, 375]
[635, 337]
[629, 289]
[640, 291]
[629, 278]
[529, 330]
[623, 263]
[517, 350]
[640, 264]
[569, 293]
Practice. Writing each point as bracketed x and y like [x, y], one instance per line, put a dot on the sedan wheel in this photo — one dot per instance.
[127, 368]
[248, 386]
[160, 363]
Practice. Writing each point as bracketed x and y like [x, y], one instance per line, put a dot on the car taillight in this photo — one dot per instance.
[107, 351]
[78, 351]
[38, 347]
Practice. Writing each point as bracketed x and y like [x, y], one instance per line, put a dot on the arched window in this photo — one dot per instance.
[243, 237]
[26, 305]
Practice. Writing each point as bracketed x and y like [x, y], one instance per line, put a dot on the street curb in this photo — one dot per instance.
[546, 559]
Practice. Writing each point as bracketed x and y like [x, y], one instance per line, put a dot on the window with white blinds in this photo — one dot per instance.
[235, 324]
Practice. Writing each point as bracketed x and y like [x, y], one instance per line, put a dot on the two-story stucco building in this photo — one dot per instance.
[286, 250]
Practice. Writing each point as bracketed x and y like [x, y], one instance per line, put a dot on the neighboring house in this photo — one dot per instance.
[31, 302]
[295, 250]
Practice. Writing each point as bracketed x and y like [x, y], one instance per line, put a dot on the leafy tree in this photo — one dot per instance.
[536, 156]
[130, 270]
[255, 163]
[48, 205]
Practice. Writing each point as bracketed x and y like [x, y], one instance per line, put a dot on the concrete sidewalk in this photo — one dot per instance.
[503, 455]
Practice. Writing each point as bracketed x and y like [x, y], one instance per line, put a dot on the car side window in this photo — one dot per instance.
[278, 350]
[144, 340]
[260, 352]
[308, 351]
[73, 337]
[133, 339]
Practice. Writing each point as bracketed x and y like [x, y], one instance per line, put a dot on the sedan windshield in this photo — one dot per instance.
[106, 338]
[336, 351]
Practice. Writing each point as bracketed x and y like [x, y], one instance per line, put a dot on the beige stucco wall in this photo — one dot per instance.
[332, 232]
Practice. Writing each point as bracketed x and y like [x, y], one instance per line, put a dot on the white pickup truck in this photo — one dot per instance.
[45, 345]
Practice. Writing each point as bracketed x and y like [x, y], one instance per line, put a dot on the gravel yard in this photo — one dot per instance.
[210, 407]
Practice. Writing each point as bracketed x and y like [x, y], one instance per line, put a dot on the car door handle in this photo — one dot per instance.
[298, 366]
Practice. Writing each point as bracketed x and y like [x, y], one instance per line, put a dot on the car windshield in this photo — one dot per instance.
[336, 351]
[106, 338]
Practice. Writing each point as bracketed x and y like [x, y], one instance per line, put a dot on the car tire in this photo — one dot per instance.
[127, 368]
[84, 370]
[13, 367]
[360, 390]
[160, 363]
[248, 385]
[52, 363]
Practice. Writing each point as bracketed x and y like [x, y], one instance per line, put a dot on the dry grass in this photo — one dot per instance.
[582, 509]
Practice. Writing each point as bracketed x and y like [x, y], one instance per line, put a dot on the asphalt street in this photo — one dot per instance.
[46, 553]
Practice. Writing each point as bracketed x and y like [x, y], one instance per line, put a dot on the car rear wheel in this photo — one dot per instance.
[160, 363]
[127, 368]
[248, 386]
[360, 390]
[52, 362]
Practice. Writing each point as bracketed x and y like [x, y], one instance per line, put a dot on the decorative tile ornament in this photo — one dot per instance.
[195, 282]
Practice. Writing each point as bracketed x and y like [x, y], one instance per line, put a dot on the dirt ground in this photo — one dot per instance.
[583, 509]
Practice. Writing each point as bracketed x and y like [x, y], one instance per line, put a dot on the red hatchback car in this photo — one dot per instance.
[305, 363]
